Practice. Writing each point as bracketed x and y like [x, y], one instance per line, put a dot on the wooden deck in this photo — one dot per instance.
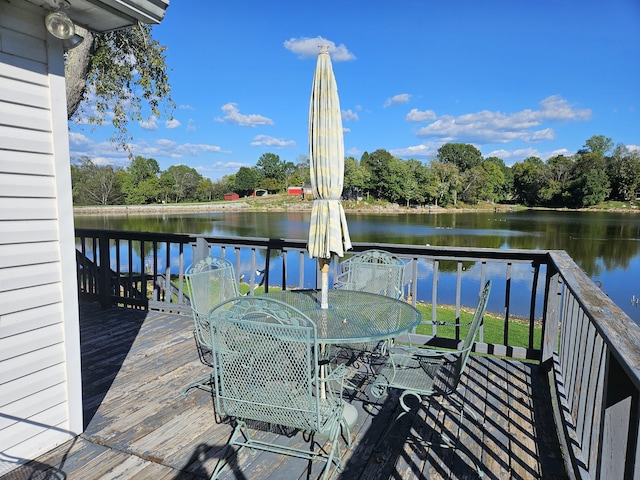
[138, 425]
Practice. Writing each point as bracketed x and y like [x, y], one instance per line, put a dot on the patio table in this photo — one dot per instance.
[352, 316]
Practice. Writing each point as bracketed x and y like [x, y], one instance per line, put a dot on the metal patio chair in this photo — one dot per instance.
[266, 357]
[210, 281]
[424, 372]
[373, 271]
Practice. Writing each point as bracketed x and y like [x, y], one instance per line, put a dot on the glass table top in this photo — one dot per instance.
[352, 316]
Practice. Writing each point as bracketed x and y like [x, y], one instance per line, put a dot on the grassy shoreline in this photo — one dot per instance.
[284, 202]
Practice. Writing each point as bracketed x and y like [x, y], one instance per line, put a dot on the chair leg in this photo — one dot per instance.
[205, 383]
[224, 460]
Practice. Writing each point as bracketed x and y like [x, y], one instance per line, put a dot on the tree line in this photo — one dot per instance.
[598, 172]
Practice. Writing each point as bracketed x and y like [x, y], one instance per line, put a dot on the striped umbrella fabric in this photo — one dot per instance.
[328, 231]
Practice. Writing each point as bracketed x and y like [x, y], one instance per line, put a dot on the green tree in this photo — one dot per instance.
[623, 170]
[272, 168]
[182, 180]
[224, 185]
[589, 183]
[462, 155]
[447, 183]
[505, 191]
[473, 180]
[399, 183]
[599, 144]
[270, 184]
[94, 184]
[495, 187]
[594, 187]
[416, 181]
[379, 166]
[528, 177]
[140, 184]
[557, 175]
[121, 74]
[204, 190]
[303, 171]
[246, 180]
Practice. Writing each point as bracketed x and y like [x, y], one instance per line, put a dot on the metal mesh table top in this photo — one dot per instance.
[352, 316]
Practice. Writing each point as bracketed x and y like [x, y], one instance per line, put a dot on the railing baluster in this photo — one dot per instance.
[507, 302]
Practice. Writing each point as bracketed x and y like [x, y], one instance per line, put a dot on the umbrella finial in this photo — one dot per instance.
[324, 48]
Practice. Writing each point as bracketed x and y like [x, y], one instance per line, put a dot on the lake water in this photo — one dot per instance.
[606, 245]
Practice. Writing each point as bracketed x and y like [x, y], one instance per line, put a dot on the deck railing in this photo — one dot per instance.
[590, 348]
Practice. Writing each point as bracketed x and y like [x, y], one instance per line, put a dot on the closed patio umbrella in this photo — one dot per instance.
[328, 232]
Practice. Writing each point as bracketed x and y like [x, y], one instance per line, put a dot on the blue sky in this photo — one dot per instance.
[513, 78]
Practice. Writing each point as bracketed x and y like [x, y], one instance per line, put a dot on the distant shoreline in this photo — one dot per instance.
[236, 206]
[297, 206]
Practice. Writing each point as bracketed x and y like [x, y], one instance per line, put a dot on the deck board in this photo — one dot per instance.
[139, 425]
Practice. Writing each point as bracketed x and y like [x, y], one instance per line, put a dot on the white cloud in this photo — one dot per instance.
[416, 115]
[306, 47]
[497, 127]
[77, 139]
[185, 107]
[633, 148]
[354, 152]
[423, 150]
[150, 123]
[518, 155]
[191, 125]
[346, 130]
[267, 141]
[397, 99]
[168, 148]
[106, 153]
[349, 115]
[173, 123]
[232, 115]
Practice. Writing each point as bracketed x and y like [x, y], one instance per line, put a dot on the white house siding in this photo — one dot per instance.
[40, 389]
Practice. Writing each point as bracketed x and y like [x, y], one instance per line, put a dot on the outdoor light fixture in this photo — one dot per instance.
[60, 25]
[72, 42]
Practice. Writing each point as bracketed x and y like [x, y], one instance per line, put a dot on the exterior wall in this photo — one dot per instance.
[40, 383]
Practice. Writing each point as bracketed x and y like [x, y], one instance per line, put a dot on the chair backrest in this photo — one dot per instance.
[265, 353]
[376, 271]
[478, 317]
[210, 281]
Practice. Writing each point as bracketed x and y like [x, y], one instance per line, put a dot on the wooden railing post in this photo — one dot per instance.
[551, 315]
[104, 271]
[201, 249]
[619, 432]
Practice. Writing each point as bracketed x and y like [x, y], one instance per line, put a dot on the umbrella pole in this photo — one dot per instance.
[323, 263]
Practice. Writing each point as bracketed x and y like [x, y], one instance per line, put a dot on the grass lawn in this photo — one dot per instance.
[493, 326]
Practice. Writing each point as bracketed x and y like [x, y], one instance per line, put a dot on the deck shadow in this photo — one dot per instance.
[106, 337]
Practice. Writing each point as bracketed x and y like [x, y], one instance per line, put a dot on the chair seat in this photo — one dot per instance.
[425, 375]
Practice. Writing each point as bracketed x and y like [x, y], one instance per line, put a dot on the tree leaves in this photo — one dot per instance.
[127, 80]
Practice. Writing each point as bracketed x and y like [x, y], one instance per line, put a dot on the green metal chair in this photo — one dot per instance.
[210, 281]
[266, 357]
[424, 372]
[373, 271]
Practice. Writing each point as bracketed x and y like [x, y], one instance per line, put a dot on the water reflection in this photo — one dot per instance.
[605, 244]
